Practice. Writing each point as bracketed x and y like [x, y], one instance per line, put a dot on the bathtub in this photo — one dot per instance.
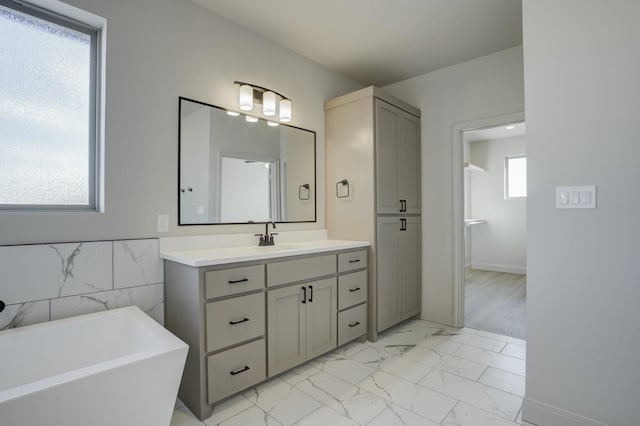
[112, 368]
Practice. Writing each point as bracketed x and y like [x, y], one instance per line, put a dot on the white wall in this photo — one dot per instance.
[582, 86]
[500, 245]
[484, 87]
[158, 50]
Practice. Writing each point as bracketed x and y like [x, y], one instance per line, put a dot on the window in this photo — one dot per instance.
[48, 110]
[515, 177]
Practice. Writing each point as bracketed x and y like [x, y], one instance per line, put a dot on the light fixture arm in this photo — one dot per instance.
[261, 89]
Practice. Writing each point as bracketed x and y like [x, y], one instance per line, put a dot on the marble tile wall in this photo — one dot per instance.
[46, 282]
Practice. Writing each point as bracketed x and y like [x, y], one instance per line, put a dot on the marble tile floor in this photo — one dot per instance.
[417, 373]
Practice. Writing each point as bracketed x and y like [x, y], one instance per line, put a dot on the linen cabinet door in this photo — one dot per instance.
[286, 328]
[411, 267]
[322, 309]
[410, 178]
[389, 300]
[387, 135]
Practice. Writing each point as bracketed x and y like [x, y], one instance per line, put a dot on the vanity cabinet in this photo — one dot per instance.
[373, 144]
[302, 323]
[248, 321]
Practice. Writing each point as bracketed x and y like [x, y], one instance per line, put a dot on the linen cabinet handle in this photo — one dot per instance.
[311, 294]
[242, 370]
[243, 280]
[304, 294]
[403, 224]
[239, 321]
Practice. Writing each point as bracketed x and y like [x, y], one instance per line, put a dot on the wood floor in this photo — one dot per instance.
[495, 302]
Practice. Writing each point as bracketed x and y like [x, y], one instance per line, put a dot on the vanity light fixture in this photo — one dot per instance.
[245, 99]
[249, 94]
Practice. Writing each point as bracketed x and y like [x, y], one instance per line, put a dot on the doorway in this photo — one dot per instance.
[490, 225]
[495, 230]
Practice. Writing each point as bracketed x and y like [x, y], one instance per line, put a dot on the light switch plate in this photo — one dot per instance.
[163, 223]
[576, 197]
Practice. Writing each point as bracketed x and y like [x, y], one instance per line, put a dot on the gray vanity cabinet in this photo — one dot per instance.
[301, 322]
[399, 272]
[248, 321]
[397, 160]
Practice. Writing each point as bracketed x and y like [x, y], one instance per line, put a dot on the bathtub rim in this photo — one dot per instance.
[168, 344]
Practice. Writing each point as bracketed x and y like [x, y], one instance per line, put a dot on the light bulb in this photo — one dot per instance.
[269, 103]
[245, 99]
[251, 119]
[285, 110]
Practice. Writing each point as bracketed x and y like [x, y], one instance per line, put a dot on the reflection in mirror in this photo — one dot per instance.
[234, 171]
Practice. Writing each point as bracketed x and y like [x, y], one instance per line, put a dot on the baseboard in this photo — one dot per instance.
[500, 268]
[543, 414]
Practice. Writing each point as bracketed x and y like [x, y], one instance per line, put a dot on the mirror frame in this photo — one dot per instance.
[315, 166]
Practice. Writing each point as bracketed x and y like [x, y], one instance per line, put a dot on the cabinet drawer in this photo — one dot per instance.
[352, 323]
[352, 289]
[226, 282]
[234, 320]
[300, 269]
[236, 369]
[352, 260]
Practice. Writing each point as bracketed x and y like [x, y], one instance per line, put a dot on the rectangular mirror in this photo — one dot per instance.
[235, 171]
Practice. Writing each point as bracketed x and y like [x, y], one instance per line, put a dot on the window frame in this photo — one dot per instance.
[94, 140]
[506, 178]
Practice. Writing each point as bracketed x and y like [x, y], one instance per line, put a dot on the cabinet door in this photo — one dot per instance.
[388, 272]
[286, 328]
[409, 154]
[322, 309]
[387, 139]
[411, 270]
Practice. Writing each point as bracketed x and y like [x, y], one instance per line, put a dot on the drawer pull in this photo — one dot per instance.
[351, 290]
[244, 280]
[353, 324]
[242, 370]
[239, 321]
[354, 261]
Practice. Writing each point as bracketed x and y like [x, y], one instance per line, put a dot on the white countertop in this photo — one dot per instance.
[226, 255]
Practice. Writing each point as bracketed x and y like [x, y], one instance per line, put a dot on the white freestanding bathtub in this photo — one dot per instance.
[112, 368]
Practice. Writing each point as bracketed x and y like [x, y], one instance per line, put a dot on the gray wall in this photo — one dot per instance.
[485, 87]
[582, 87]
[158, 50]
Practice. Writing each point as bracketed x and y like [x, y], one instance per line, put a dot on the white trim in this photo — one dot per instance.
[458, 204]
[522, 270]
[541, 413]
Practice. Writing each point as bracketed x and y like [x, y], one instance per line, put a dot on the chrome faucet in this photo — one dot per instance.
[266, 239]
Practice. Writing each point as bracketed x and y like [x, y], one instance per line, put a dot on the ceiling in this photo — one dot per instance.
[498, 132]
[379, 42]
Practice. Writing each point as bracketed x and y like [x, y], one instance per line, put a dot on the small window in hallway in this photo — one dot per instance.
[515, 177]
